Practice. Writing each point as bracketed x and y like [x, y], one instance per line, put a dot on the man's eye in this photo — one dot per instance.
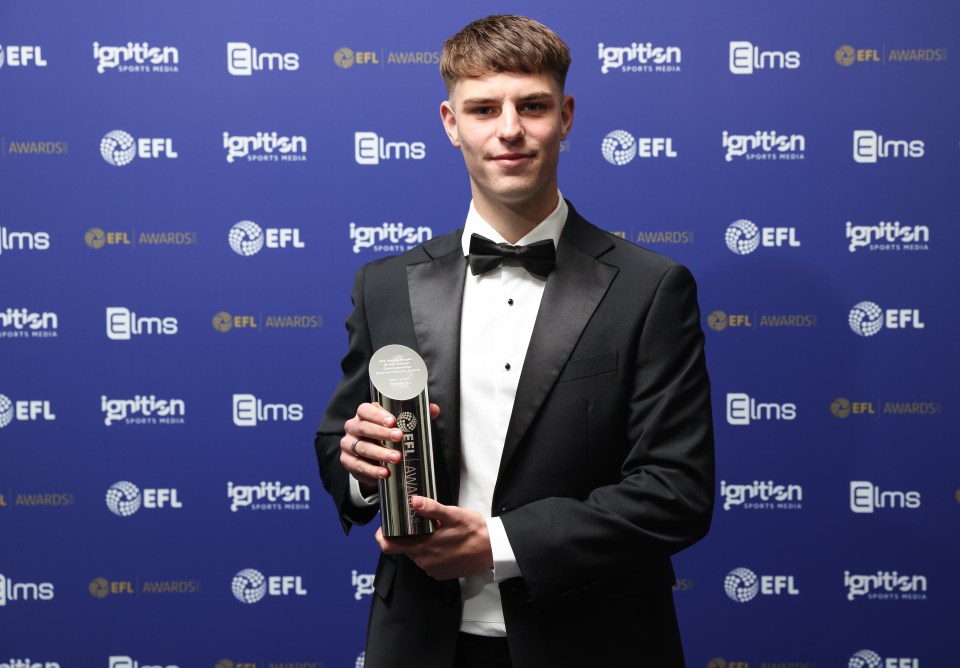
[483, 111]
[533, 106]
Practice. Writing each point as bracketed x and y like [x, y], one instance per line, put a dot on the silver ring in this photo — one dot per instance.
[353, 448]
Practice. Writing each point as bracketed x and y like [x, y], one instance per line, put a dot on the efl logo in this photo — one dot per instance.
[885, 585]
[265, 147]
[846, 55]
[250, 586]
[345, 58]
[119, 148]
[865, 497]
[866, 319]
[33, 410]
[124, 498]
[867, 658]
[620, 147]
[869, 147]
[246, 238]
[11, 591]
[369, 148]
[743, 410]
[123, 324]
[745, 58]
[248, 411]
[743, 585]
[842, 408]
[136, 57]
[743, 237]
[639, 57]
[243, 60]
[21, 56]
[363, 583]
[10, 240]
[127, 662]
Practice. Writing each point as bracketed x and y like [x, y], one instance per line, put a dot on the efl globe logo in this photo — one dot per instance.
[742, 237]
[6, 410]
[407, 422]
[865, 658]
[866, 319]
[118, 148]
[246, 238]
[619, 147]
[741, 585]
[123, 498]
[249, 586]
[344, 57]
[845, 55]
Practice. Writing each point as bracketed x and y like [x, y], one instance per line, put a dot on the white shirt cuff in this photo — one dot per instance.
[357, 499]
[504, 561]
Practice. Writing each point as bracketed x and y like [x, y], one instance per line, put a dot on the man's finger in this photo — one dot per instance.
[431, 509]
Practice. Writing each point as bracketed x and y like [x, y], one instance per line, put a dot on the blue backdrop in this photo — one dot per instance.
[188, 188]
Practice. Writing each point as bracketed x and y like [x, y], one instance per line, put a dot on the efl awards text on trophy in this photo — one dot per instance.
[398, 382]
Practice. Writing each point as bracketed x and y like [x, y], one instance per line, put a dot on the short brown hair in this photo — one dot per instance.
[504, 43]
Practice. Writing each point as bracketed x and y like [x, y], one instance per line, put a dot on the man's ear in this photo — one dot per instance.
[449, 122]
[566, 116]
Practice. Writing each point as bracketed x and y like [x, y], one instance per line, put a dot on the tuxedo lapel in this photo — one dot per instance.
[436, 297]
[571, 295]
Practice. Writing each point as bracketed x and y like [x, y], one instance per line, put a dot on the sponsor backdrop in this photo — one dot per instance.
[188, 189]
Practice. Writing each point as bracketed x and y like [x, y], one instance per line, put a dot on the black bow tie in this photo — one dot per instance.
[537, 258]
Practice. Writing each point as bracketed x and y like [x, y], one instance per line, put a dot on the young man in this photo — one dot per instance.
[573, 441]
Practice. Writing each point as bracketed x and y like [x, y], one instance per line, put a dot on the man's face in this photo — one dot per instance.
[509, 127]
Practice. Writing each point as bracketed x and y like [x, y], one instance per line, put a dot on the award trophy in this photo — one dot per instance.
[398, 382]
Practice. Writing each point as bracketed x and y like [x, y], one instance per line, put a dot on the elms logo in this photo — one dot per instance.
[867, 319]
[369, 148]
[743, 237]
[743, 585]
[123, 324]
[743, 410]
[620, 147]
[250, 586]
[119, 148]
[10, 240]
[11, 591]
[127, 662]
[870, 147]
[745, 58]
[865, 497]
[246, 238]
[125, 498]
[243, 60]
[249, 411]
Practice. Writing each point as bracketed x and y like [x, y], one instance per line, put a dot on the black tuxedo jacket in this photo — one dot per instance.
[607, 468]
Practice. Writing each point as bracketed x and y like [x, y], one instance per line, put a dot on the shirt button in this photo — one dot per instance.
[507, 366]
[510, 302]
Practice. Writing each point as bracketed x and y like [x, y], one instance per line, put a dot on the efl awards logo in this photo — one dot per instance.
[746, 58]
[870, 147]
[125, 498]
[369, 148]
[21, 323]
[639, 57]
[251, 586]
[346, 57]
[265, 147]
[97, 238]
[24, 410]
[249, 411]
[847, 55]
[119, 148]
[246, 238]
[224, 322]
[31, 148]
[136, 57]
[742, 585]
[21, 55]
[842, 408]
[743, 237]
[866, 498]
[243, 60]
[764, 145]
[620, 147]
[867, 319]
[719, 321]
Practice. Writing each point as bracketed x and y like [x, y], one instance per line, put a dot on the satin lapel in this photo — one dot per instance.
[436, 298]
[570, 297]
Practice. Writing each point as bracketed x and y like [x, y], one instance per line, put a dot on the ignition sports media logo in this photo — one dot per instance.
[97, 238]
[743, 585]
[21, 323]
[251, 586]
[224, 322]
[746, 58]
[847, 55]
[764, 145]
[388, 237]
[143, 410]
[867, 658]
[744, 236]
[346, 57]
[18, 592]
[369, 148]
[124, 324]
[761, 495]
[127, 662]
[268, 496]
[870, 147]
[246, 238]
[28, 663]
[21, 55]
[885, 586]
[865, 497]
[24, 410]
[639, 57]
[249, 411]
[101, 588]
[842, 408]
[125, 498]
[363, 584]
[119, 148]
[720, 321]
[265, 147]
[137, 57]
[887, 236]
[867, 319]
[243, 60]
[23, 241]
[743, 410]
[32, 148]
[620, 147]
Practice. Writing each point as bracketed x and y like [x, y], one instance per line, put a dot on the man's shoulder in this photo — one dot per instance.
[429, 250]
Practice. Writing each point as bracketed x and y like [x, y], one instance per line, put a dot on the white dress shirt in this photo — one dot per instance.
[499, 311]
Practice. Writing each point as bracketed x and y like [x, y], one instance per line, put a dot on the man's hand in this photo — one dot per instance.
[459, 547]
[360, 450]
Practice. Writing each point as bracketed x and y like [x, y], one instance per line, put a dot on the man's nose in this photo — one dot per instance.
[511, 126]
